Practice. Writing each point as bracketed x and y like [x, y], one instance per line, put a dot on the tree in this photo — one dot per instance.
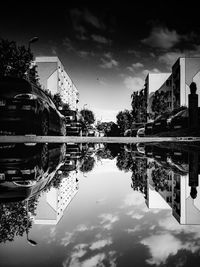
[124, 121]
[15, 61]
[88, 116]
[159, 103]
[139, 106]
[57, 100]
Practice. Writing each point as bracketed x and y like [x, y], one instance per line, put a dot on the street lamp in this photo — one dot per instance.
[32, 40]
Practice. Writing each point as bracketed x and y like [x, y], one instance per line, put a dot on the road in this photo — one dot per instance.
[78, 139]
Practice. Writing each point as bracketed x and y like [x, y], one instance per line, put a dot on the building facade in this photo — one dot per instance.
[184, 72]
[53, 203]
[153, 82]
[54, 78]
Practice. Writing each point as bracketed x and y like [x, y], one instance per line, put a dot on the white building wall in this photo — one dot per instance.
[54, 78]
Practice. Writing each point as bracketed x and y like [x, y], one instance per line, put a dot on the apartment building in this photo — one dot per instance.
[53, 203]
[153, 83]
[54, 78]
[184, 71]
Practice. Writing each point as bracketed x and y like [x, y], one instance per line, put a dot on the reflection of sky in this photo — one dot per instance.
[107, 224]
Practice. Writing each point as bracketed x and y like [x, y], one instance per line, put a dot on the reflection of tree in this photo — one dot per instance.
[124, 161]
[87, 164]
[138, 166]
[109, 151]
[15, 219]
[160, 177]
[57, 179]
[139, 176]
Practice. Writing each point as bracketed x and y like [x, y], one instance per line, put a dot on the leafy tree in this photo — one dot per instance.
[87, 164]
[66, 106]
[15, 219]
[88, 116]
[57, 100]
[15, 61]
[124, 121]
[139, 106]
[159, 103]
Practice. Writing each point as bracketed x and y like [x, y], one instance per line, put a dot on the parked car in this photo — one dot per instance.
[27, 109]
[91, 130]
[27, 170]
[131, 132]
[160, 123]
[141, 132]
[149, 127]
[180, 120]
[73, 124]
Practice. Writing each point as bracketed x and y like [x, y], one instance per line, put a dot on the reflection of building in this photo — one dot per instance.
[185, 209]
[182, 188]
[53, 77]
[52, 204]
[166, 193]
[184, 72]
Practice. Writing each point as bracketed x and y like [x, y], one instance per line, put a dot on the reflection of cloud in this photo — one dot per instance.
[170, 224]
[66, 239]
[135, 215]
[162, 246]
[52, 235]
[101, 201]
[137, 228]
[134, 199]
[101, 244]
[91, 262]
[94, 261]
[107, 220]
[82, 228]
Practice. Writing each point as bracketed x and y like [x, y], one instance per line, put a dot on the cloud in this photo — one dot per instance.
[100, 39]
[135, 66]
[105, 115]
[162, 38]
[146, 71]
[68, 44]
[108, 62]
[82, 16]
[85, 54]
[101, 244]
[93, 20]
[134, 83]
[170, 58]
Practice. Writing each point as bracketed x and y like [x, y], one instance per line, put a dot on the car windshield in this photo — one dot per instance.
[182, 113]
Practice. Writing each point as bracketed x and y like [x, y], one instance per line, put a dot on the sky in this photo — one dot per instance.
[106, 47]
